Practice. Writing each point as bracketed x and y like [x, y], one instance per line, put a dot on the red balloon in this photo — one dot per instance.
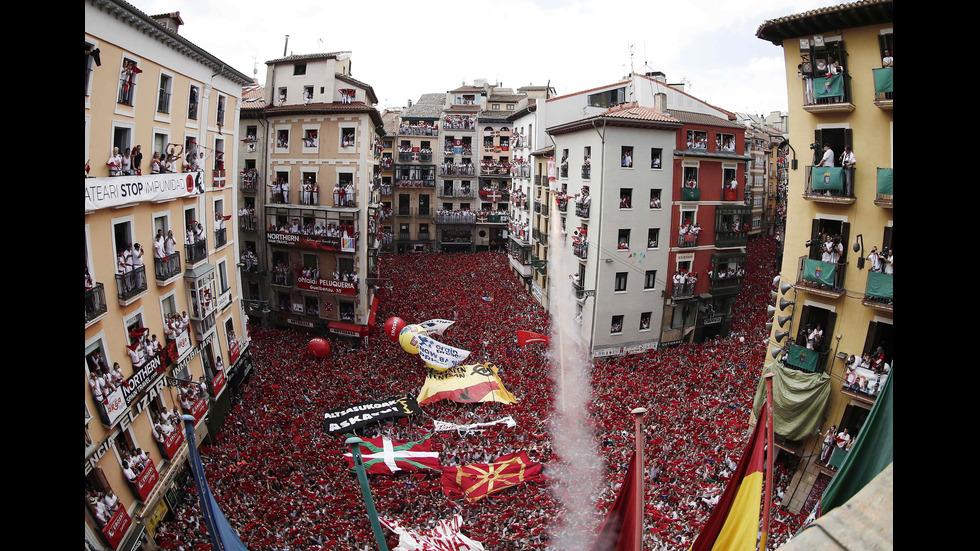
[393, 327]
[319, 347]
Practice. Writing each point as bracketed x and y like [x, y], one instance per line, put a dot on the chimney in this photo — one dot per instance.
[660, 102]
[409, 103]
[171, 21]
[658, 76]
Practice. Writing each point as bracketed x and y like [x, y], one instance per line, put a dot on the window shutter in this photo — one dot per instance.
[845, 235]
[872, 333]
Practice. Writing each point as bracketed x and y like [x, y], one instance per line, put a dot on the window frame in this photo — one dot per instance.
[621, 282]
[650, 280]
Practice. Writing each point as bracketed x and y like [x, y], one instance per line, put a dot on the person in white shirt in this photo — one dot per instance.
[158, 248]
[828, 156]
[848, 160]
[886, 259]
[128, 472]
[169, 243]
[874, 259]
[136, 256]
[115, 163]
[199, 232]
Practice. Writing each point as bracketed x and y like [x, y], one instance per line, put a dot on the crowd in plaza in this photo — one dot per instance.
[284, 484]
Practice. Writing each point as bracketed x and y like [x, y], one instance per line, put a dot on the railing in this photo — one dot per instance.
[411, 130]
[192, 111]
[678, 290]
[404, 157]
[687, 239]
[425, 157]
[408, 184]
[460, 193]
[457, 170]
[495, 170]
[249, 181]
[726, 283]
[95, 304]
[424, 236]
[455, 217]
[883, 84]
[562, 206]
[729, 238]
[690, 194]
[167, 267]
[582, 211]
[197, 251]
[345, 201]
[282, 278]
[465, 150]
[586, 172]
[824, 92]
[581, 250]
[163, 104]
[829, 181]
[822, 276]
[885, 190]
[803, 359]
[131, 283]
[220, 237]
[880, 290]
[125, 92]
[564, 171]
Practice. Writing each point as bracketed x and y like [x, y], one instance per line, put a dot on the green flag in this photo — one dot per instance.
[828, 87]
[883, 80]
[872, 451]
[885, 185]
[827, 177]
[819, 272]
[880, 285]
[802, 357]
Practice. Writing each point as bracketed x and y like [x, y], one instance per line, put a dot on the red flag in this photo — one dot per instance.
[618, 532]
[482, 479]
[524, 337]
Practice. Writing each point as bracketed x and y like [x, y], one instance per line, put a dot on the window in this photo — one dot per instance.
[725, 142]
[650, 280]
[510, 106]
[128, 80]
[346, 137]
[307, 94]
[653, 238]
[656, 158]
[220, 114]
[282, 139]
[163, 100]
[223, 277]
[625, 198]
[617, 325]
[219, 159]
[691, 177]
[299, 69]
[683, 316]
[645, 321]
[697, 139]
[282, 96]
[623, 240]
[251, 134]
[621, 281]
[496, 107]
[192, 100]
[609, 98]
[627, 156]
[655, 199]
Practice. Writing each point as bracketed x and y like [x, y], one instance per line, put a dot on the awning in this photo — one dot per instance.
[347, 329]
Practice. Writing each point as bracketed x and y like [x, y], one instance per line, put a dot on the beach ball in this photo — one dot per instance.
[393, 328]
[319, 347]
[409, 338]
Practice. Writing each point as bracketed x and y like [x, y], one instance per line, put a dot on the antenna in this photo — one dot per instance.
[284, 46]
[318, 42]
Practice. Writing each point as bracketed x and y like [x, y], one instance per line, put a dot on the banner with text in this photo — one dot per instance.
[334, 286]
[114, 191]
[465, 383]
[348, 418]
[440, 356]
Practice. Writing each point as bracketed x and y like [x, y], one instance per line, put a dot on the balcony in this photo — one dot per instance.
[282, 278]
[163, 104]
[466, 150]
[247, 222]
[131, 284]
[883, 88]
[197, 251]
[863, 384]
[457, 193]
[423, 129]
[730, 238]
[167, 267]
[724, 284]
[564, 170]
[499, 217]
[220, 238]
[248, 181]
[830, 184]
[413, 184]
[95, 304]
[562, 205]
[582, 210]
[404, 157]
[586, 172]
[687, 239]
[449, 169]
[581, 250]
[690, 194]
[884, 196]
[804, 359]
[823, 95]
[541, 208]
[454, 217]
[821, 278]
[682, 290]
[879, 292]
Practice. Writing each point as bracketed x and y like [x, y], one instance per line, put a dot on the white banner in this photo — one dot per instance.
[444, 425]
[114, 191]
[436, 326]
[444, 536]
[440, 356]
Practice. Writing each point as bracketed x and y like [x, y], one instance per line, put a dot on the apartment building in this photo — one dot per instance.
[165, 329]
[838, 63]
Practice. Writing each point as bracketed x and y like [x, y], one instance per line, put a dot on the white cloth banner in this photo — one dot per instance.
[114, 191]
[444, 425]
[436, 326]
[444, 536]
[440, 356]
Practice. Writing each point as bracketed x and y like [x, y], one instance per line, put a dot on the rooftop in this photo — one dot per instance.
[700, 118]
[301, 57]
[832, 18]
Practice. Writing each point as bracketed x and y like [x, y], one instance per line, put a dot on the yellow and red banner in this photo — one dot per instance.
[466, 384]
[479, 480]
[734, 522]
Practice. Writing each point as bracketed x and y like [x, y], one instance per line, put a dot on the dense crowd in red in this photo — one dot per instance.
[284, 485]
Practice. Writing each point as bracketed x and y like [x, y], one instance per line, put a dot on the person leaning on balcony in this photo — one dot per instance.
[136, 256]
[155, 165]
[848, 160]
[115, 163]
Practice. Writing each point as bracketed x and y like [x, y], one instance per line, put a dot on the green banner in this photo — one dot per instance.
[827, 177]
[819, 272]
[802, 357]
[799, 399]
[880, 285]
[828, 87]
[883, 80]
[690, 194]
[885, 185]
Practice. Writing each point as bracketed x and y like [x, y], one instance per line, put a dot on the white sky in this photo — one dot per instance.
[405, 49]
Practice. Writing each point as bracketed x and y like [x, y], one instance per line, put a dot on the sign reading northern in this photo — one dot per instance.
[114, 191]
[318, 242]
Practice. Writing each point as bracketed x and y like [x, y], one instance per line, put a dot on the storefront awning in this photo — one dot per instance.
[347, 329]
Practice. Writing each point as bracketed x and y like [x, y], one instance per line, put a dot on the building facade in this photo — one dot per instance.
[417, 149]
[321, 167]
[165, 330]
[841, 98]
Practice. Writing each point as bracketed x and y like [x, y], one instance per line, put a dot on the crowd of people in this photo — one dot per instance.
[281, 480]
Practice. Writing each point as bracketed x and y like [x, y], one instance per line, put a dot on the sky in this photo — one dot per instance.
[404, 50]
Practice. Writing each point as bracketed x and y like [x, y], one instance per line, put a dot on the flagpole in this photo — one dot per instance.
[638, 414]
[355, 450]
[767, 499]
